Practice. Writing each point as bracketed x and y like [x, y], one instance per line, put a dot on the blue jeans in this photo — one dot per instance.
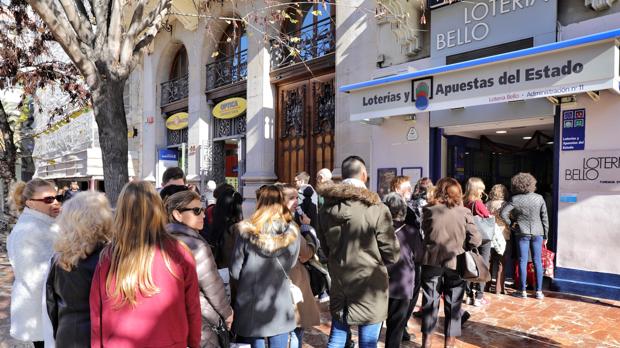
[533, 244]
[278, 341]
[297, 337]
[368, 335]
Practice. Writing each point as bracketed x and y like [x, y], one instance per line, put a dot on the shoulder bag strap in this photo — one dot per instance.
[282, 268]
[100, 312]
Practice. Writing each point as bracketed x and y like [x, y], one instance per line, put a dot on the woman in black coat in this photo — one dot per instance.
[85, 226]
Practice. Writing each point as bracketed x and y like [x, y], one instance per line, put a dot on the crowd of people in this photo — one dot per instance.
[164, 270]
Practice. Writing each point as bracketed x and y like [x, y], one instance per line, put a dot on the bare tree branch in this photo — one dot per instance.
[66, 38]
[101, 9]
[115, 31]
[78, 21]
[151, 24]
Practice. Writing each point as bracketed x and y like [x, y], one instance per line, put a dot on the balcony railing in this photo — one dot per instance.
[310, 42]
[228, 70]
[174, 90]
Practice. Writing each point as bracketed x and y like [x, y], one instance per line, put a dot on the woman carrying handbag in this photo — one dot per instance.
[186, 217]
[448, 231]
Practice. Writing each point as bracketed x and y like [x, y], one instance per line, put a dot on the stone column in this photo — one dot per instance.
[198, 109]
[148, 135]
[260, 135]
[354, 63]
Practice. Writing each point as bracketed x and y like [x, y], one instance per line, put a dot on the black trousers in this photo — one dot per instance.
[396, 321]
[38, 344]
[416, 290]
[437, 281]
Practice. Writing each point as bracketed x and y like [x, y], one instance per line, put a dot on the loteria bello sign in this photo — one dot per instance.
[230, 108]
[177, 121]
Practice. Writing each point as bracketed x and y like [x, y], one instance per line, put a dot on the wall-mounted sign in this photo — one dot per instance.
[177, 121]
[578, 70]
[471, 25]
[573, 129]
[168, 155]
[438, 3]
[597, 171]
[229, 108]
[412, 134]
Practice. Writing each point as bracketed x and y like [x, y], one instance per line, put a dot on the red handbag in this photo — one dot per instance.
[547, 262]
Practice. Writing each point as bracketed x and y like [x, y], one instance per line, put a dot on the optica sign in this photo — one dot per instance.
[177, 121]
[229, 108]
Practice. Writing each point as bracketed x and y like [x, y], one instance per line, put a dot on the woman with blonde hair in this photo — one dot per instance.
[498, 197]
[85, 226]
[473, 201]
[266, 250]
[30, 247]
[145, 289]
[186, 216]
[307, 312]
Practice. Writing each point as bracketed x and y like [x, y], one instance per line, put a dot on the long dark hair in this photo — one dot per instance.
[227, 212]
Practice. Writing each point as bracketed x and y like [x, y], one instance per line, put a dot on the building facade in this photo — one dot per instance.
[508, 87]
[417, 88]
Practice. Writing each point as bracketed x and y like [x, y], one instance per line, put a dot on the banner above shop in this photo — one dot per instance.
[229, 108]
[556, 72]
[177, 121]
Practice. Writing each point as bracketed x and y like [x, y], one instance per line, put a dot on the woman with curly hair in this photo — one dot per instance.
[85, 226]
[527, 215]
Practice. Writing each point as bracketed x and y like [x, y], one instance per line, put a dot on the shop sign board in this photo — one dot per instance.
[471, 25]
[597, 171]
[178, 121]
[230, 108]
[573, 129]
[168, 155]
[576, 70]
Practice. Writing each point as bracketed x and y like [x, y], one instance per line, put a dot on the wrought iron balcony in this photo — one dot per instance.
[174, 90]
[309, 42]
[227, 70]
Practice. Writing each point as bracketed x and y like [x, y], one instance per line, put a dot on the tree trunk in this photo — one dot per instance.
[8, 155]
[110, 116]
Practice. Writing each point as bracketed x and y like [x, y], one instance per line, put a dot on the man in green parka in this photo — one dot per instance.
[358, 237]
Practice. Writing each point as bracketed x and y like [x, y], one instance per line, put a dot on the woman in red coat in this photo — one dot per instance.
[145, 288]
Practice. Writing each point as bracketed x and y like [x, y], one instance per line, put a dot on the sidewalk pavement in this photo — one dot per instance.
[560, 320]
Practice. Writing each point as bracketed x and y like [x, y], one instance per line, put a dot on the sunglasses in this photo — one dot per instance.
[197, 211]
[48, 199]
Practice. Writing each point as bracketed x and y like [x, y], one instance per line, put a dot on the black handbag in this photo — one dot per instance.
[224, 336]
[473, 268]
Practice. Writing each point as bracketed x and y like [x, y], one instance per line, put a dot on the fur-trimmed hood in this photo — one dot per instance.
[273, 240]
[345, 192]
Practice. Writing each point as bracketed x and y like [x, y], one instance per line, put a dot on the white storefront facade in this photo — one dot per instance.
[505, 90]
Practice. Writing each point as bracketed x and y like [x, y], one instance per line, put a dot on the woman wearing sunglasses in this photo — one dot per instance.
[30, 248]
[186, 215]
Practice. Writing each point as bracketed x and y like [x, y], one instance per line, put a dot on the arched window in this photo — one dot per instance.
[179, 64]
[308, 32]
[231, 61]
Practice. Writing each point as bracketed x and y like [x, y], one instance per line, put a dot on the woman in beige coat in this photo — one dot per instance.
[307, 312]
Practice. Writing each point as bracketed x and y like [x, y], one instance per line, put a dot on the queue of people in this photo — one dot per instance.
[161, 270]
